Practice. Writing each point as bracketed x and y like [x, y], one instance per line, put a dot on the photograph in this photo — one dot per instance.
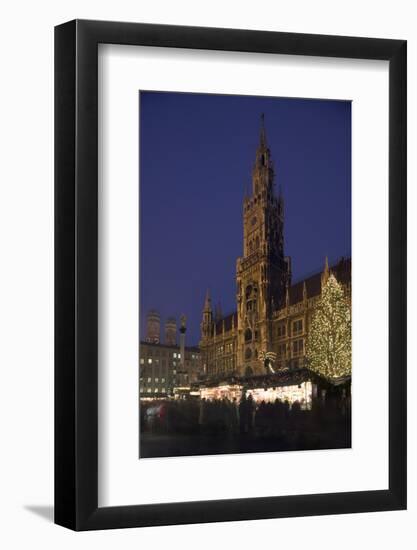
[184, 193]
[245, 274]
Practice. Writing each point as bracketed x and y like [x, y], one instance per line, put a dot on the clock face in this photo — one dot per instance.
[254, 220]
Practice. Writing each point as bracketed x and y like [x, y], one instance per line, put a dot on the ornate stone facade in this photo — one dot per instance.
[272, 314]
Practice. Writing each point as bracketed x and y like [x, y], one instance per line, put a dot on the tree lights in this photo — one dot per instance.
[329, 342]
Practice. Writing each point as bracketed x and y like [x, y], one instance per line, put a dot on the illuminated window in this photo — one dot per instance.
[149, 390]
[174, 372]
[150, 360]
[162, 380]
[174, 355]
[156, 380]
[156, 390]
[178, 355]
[142, 361]
[149, 379]
[163, 390]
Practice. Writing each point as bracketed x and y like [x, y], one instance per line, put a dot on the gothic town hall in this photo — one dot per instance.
[273, 315]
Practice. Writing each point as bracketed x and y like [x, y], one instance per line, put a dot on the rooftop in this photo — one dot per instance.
[341, 270]
[168, 346]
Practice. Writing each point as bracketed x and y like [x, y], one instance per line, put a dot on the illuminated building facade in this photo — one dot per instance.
[163, 369]
[167, 369]
[272, 314]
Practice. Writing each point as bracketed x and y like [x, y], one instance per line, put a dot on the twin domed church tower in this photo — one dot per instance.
[263, 275]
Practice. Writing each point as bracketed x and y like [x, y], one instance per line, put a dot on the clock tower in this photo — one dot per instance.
[263, 273]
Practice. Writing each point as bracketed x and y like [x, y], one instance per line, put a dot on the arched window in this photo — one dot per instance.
[257, 243]
[248, 291]
[248, 335]
[248, 353]
[248, 371]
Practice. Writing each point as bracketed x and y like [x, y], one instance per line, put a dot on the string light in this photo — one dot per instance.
[329, 342]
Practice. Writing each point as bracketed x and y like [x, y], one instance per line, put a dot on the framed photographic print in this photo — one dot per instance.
[230, 275]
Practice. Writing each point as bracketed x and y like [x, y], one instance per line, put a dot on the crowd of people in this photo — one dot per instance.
[263, 419]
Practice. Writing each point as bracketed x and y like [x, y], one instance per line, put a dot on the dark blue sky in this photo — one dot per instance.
[196, 157]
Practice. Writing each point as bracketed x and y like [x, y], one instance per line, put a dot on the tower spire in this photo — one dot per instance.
[263, 133]
[262, 283]
[206, 323]
[207, 302]
[326, 272]
[263, 172]
[304, 291]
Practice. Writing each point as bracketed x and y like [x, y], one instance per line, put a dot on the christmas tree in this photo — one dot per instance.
[329, 342]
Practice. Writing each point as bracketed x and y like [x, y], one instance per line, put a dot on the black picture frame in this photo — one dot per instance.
[76, 272]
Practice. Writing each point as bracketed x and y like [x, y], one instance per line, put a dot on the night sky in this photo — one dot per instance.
[196, 158]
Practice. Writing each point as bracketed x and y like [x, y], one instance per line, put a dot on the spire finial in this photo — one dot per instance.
[207, 302]
[263, 135]
[326, 272]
